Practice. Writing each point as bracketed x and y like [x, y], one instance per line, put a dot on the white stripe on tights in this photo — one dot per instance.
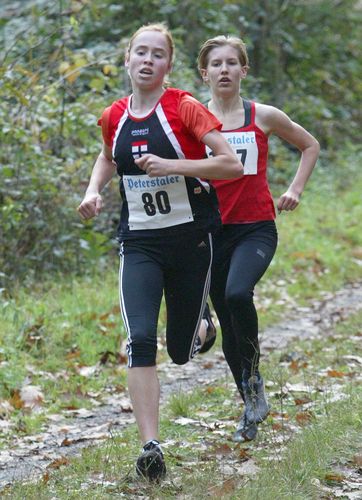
[123, 308]
[203, 302]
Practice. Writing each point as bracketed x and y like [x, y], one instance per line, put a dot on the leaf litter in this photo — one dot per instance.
[64, 435]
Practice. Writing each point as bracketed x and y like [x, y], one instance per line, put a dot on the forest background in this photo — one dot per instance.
[62, 61]
[61, 64]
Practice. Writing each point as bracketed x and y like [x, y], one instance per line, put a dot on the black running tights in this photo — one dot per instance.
[242, 254]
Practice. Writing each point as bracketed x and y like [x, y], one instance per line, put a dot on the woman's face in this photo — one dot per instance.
[149, 60]
[224, 70]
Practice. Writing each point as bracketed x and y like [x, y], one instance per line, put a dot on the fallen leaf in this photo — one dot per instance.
[357, 252]
[66, 442]
[357, 460]
[302, 401]
[243, 454]
[278, 414]
[87, 371]
[185, 421]
[334, 478]
[5, 408]
[119, 388]
[304, 417]
[114, 311]
[223, 450]
[125, 405]
[57, 463]
[122, 359]
[208, 365]
[105, 357]
[335, 374]
[81, 413]
[32, 396]
[294, 366]
[298, 387]
[73, 354]
[16, 401]
[91, 436]
[227, 486]
[69, 407]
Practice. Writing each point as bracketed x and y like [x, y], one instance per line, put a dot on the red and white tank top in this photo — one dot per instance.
[247, 199]
[159, 206]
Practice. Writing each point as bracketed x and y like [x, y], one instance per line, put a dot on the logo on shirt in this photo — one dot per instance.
[140, 131]
[139, 148]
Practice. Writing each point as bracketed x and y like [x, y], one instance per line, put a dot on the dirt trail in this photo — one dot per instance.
[65, 434]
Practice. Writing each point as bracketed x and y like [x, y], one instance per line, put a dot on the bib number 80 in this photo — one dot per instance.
[160, 203]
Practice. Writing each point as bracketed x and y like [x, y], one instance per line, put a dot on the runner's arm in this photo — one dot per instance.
[224, 164]
[277, 122]
[102, 173]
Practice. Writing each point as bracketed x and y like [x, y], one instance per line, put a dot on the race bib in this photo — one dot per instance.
[156, 202]
[246, 149]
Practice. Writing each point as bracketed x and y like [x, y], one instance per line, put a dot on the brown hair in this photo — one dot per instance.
[221, 41]
[161, 28]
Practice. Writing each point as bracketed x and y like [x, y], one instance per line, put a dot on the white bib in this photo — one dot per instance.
[156, 202]
[246, 149]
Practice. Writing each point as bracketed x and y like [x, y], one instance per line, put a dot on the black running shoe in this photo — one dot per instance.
[246, 431]
[150, 463]
[210, 331]
[256, 404]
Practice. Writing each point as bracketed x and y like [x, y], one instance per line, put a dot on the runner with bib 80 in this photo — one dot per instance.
[156, 140]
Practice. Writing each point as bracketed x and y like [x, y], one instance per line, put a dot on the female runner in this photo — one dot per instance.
[156, 139]
[246, 243]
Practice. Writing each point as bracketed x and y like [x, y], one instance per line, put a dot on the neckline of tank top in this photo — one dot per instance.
[142, 116]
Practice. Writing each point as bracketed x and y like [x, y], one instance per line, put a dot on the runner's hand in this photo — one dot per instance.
[153, 165]
[91, 206]
[288, 201]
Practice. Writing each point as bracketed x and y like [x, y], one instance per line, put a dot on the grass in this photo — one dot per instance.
[309, 459]
[299, 451]
[182, 403]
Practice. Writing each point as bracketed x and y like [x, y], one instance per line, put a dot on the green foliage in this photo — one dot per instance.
[62, 63]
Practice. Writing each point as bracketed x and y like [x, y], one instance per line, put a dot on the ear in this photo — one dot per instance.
[126, 65]
[244, 72]
[204, 75]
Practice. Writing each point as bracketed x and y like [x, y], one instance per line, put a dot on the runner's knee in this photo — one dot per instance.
[179, 358]
[240, 298]
[141, 350]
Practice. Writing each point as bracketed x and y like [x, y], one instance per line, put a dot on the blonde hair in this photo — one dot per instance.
[221, 41]
[161, 28]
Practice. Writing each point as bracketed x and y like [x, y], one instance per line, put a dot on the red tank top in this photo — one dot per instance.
[247, 199]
